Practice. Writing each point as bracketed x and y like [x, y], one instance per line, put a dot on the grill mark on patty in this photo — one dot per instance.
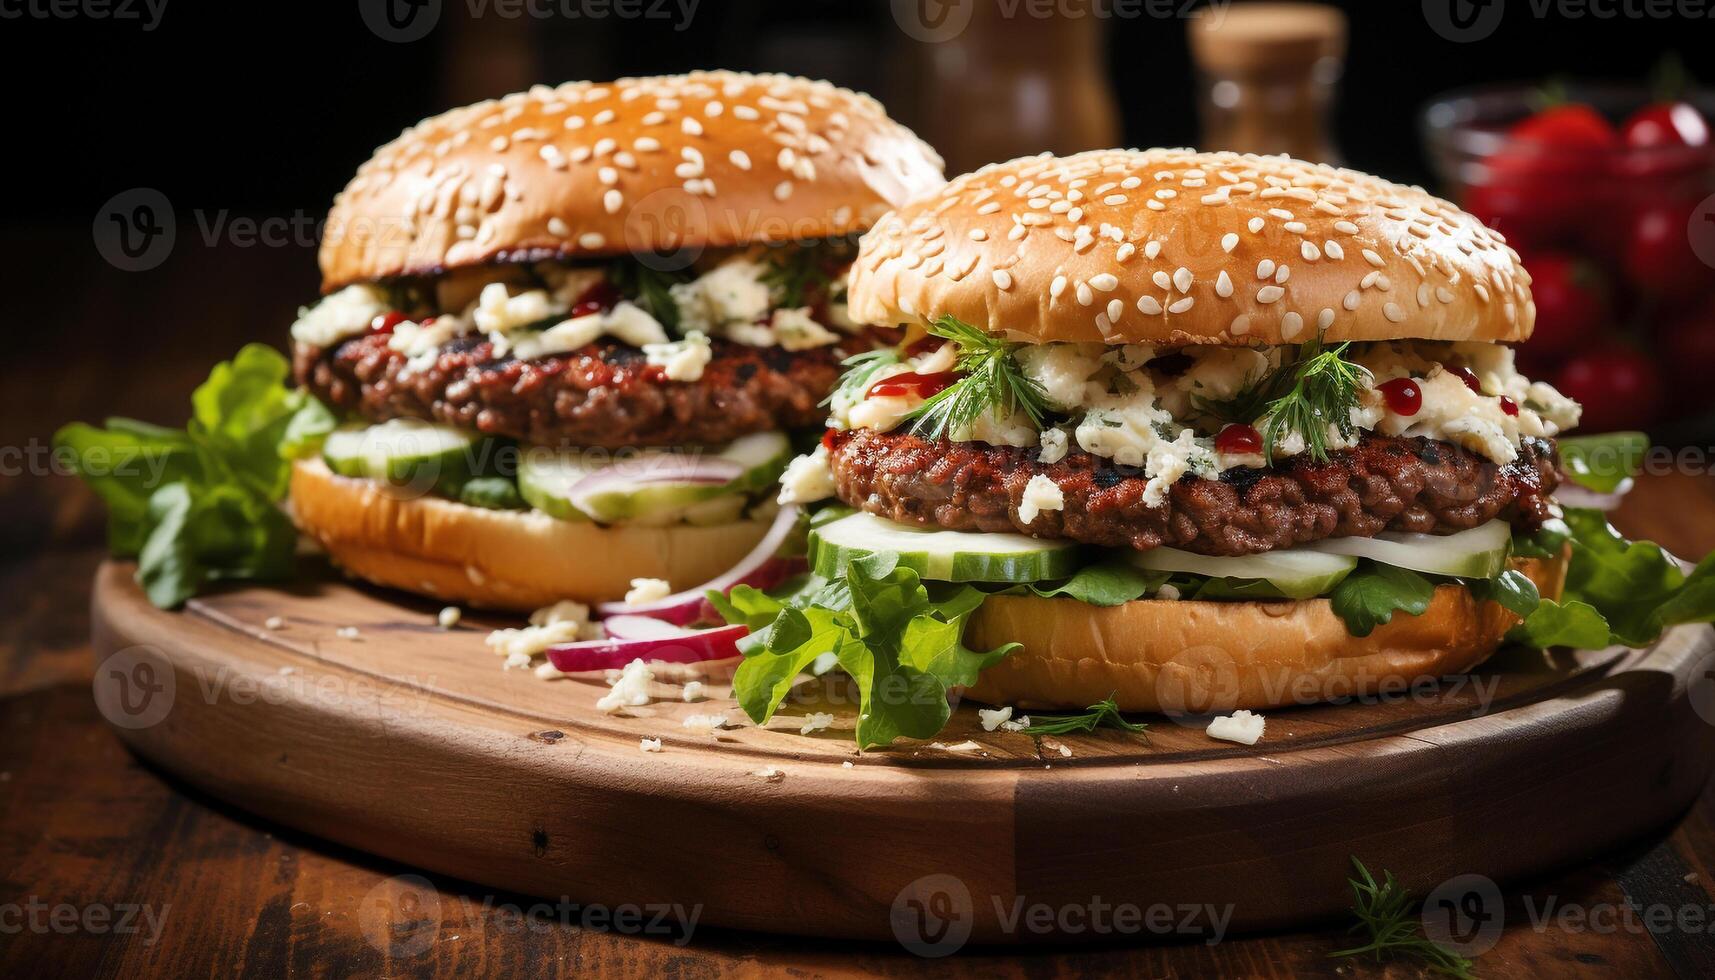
[1384, 483]
[605, 394]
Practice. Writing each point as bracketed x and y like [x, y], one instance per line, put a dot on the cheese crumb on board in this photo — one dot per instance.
[630, 689]
[993, 718]
[449, 617]
[1243, 727]
[649, 744]
[693, 691]
[646, 590]
[817, 721]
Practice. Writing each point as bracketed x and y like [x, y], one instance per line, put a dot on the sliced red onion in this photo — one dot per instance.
[1573, 495]
[681, 646]
[645, 470]
[633, 627]
[759, 569]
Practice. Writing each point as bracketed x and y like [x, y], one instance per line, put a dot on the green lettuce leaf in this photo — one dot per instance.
[1602, 462]
[1109, 583]
[198, 505]
[899, 639]
[1369, 596]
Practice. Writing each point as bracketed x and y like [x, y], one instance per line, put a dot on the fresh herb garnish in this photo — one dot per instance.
[650, 288]
[993, 384]
[1102, 713]
[198, 505]
[1369, 596]
[1307, 393]
[860, 368]
[1602, 462]
[799, 274]
[1387, 914]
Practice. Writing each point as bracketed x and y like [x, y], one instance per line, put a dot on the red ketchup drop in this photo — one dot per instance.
[1402, 395]
[1238, 440]
[828, 439]
[1509, 406]
[912, 383]
[599, 298]
[385, 323]
[1465, 375]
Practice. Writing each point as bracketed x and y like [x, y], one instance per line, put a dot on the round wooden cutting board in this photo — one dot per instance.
[411, 742]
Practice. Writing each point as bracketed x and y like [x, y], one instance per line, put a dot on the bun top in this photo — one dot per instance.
[1172, 247]
[707, 160]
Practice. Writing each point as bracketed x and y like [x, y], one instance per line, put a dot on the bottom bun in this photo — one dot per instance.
[500, 559]
[1197, 657]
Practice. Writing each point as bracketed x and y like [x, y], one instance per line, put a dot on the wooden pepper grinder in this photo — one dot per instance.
[1267, 76]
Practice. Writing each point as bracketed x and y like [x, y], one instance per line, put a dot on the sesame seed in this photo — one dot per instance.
[1369, 279]
[1296, 227]
[1269, 294]
[1309, 250]
[979, 235]
[1182, 304]
[1223, 285]
[1291, 325]
[1182, 279]
[783, 190]
[1155, 205]
[1393, 312]
[592, 239]
[740, 159]
[1104, 281]
[1351, 300]
[1281, 274]
[691, 127]
[1281, 213]
[1002, 279]
[1325, 319]
[613, 200]
[1056, 287]
[1345, 228]
[1444, 294]
[1229, 241]
[1116, 309]
[1151, 249]
[1255, 225]
[1422, 294]
[1162, 279]
[558, 228]
[1372, 258]
[989, 208]
[1333, 250]
[1124, 252]
[1166, 193]
[1114, 199]
[574, 122]
[608, 175]
[1085, 297]
[1265, 268]
[1240, 326]
[1149, 306]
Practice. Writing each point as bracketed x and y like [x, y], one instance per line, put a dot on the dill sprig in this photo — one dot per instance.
[650, 288]
[1102, 713]
[860, 368]
[1387, 914]
[1307, 393]
[798, 274]
[993, 384]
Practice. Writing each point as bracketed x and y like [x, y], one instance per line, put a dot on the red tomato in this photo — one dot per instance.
[1571, 301]
[1658, 256]
[1619, 388]
[1540, 185]
[1569, 126]
[1666, 124]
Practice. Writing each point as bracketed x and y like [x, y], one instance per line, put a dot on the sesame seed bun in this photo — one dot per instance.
[1172, 247]
[706, 160]
[1197, 657]
[500, 559]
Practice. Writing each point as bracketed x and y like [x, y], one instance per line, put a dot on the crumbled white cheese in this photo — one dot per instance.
[1167, 592]
[561, 338]
[795, 330]
[1054, 446]
[992, 718]
[274, 623]
[705, 722]
[1040, 494]
[1018, 724]
[564, 611]
[732, 292]
[684, 360]
[546, 671]
[817, 721]
[498, 311]
[649, 744]
[348, 633]
[966, 746]
[693, 691]
[420, 342]
[339, 315]
[449, 617]
[630, 689]
[1063, 371]
[632, 324]
[1243, 727]
[846, 764]
[807, 479]
[647, 590]
[563, 622]
[769, 774]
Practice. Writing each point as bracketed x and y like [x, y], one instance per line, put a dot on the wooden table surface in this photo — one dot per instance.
[91, 839]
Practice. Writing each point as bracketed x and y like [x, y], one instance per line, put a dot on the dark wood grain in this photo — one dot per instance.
[83, 821]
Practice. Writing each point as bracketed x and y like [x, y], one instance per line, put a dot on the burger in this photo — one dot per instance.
[1177, 431]
[570, 331]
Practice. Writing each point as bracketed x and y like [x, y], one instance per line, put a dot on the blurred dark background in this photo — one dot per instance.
[255, 111]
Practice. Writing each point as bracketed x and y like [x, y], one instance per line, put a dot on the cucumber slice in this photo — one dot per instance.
[945, 556]
[1480, 552]
[1297, 574]
[546, 478]
[410, 452]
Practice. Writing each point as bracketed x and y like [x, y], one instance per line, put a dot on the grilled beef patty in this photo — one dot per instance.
[606, 394]
[1382, 484]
